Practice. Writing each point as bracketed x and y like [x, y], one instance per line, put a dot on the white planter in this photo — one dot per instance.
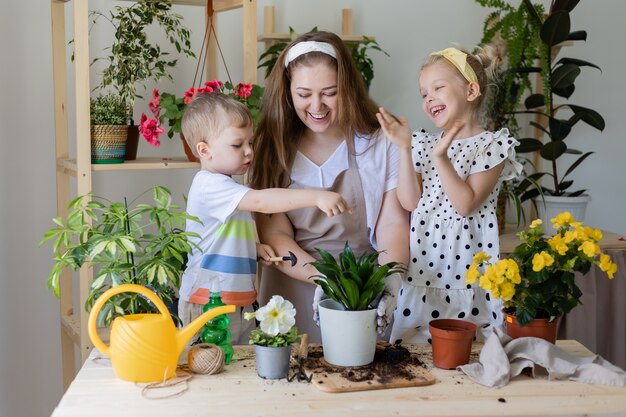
[348, 337]
[556, 205]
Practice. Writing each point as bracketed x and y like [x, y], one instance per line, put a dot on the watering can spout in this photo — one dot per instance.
[184, 335]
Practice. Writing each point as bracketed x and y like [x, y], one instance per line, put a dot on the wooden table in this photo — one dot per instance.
[240, 392]
[599, 322]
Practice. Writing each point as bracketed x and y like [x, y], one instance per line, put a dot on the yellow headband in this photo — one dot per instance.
[459, 60]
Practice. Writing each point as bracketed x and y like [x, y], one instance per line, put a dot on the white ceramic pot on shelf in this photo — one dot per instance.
[558, 204]
[348, 337]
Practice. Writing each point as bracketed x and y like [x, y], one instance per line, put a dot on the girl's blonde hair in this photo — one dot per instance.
[485, 63]
[280, 129]
[208, 114]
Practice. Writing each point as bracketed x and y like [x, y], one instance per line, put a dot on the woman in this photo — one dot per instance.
[318, 129]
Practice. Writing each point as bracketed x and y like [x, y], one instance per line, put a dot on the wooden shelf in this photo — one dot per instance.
[69, 165]
[71, 325]
[285, 37]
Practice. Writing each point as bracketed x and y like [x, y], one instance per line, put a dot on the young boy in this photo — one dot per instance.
[218, 129]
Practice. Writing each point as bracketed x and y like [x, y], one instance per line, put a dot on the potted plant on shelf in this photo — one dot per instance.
[166, 107]
[134, 243]
[109, 129]
[348, 317]
[536, 284]
[274, 338]
[132, 59]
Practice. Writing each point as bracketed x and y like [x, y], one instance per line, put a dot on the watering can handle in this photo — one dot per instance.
[95, 310]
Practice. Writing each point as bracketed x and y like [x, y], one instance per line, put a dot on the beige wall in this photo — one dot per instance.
[30, 370]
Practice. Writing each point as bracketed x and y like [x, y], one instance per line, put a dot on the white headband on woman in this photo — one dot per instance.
[302, 48]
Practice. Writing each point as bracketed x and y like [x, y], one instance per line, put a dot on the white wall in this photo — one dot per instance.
[30, 370]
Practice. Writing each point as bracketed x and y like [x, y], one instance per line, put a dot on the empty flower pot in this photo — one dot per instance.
[452, 342]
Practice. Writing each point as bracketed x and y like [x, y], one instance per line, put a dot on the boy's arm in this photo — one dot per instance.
[280, 200]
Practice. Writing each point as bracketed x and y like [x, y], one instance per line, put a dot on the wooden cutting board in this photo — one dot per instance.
[384, 372]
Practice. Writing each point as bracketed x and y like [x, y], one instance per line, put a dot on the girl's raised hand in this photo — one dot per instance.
[396, 130]
[441, 147]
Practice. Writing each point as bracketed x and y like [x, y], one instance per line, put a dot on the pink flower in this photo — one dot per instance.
[189, 95]
[150, 129]
[214, 85]
[154, 104]
[243, 90]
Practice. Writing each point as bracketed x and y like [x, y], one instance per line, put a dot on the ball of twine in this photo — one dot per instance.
[205, 359]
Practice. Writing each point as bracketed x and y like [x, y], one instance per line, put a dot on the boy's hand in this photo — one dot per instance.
[441, 147]
[264, 253]
[332, 203]
[396, 130]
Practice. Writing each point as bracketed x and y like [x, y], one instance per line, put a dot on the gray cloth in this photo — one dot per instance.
[503, 358]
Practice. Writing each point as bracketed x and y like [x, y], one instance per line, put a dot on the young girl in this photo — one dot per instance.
[450, 183]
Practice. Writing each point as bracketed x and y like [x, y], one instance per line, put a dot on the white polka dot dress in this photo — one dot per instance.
[443, 242]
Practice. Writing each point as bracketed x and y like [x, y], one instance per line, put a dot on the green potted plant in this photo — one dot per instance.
[537, 283]
[109, 129]
[136, 243]
[133, 60]
[348, 317]
[558, 77]
[511, 30]
[274, 338]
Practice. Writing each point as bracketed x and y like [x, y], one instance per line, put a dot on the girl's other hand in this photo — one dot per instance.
[397, 130]
[441, 147]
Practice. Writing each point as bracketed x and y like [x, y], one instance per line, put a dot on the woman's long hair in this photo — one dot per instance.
[280, 129]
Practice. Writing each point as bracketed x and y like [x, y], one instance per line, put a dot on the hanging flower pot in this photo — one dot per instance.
[452, 342]
[543, 328]
[188, 152]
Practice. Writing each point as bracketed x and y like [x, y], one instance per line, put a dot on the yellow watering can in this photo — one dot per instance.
[145, 347]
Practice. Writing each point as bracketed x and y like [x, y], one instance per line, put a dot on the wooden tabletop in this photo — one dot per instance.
[238, 391]
[509, 239]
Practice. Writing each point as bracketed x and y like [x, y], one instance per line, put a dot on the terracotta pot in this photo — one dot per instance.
[541, 328]
[190, 156]
[452, 342]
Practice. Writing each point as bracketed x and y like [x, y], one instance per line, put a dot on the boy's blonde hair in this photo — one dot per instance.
[208, 114]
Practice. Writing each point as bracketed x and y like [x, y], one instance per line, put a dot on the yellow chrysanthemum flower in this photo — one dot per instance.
[562, 219]
[485, 283]
[589, 248]
[594, 234]
[542, 260]
[481, 257]
[472, 274]
[607, 265]
[536, 223]
[557, 243]
[571, 235]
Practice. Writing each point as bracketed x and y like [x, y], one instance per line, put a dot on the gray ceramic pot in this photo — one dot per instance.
[272, 362]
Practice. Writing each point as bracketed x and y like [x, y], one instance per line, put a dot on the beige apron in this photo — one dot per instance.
[312, 228]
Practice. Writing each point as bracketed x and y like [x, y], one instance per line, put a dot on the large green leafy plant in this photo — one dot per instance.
[558, 78]
[134, 243]
[354, 282]
[132, 59]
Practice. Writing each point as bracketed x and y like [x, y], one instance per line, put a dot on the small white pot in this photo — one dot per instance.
[348, 337]
[555, 205]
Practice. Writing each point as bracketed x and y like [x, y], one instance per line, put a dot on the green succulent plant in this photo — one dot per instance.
[354, 282]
